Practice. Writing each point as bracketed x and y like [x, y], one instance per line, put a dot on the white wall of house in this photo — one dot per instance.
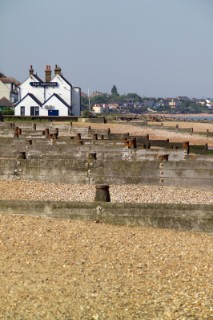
[4, 91]
[26, 103]
[52, 104]
[55, 104]
[98, 108]
[26, 88]
[63, 89]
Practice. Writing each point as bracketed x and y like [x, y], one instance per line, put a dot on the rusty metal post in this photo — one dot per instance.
[21, 155]
[186, 146]
[16, 132]
[29, 141]
[56, 132]
[92, 156]
[78, 136]
[163, 157]
[95, 136]
[53, 136]
[47, 133]
[102, 193]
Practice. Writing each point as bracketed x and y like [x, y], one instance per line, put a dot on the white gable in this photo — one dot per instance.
[26, 88]
[54, 103]
[27, 102]
[63, 89]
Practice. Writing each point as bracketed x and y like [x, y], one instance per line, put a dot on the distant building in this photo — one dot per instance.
[98, 108]
[53, 97]
[9, 89]
[148, 103]
[113, 106]
[183, 98]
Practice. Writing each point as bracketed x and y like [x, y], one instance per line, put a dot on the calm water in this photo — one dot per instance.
[193, 118]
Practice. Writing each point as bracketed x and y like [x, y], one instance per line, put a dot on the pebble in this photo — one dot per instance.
[31, 190]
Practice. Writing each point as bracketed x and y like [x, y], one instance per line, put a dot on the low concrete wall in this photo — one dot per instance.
[192, 174]
[175, 216]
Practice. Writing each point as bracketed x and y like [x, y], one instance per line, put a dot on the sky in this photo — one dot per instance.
[155, 48]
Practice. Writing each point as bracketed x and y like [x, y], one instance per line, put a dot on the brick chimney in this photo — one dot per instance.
[48, 73]
[57, 70]
[31, 71]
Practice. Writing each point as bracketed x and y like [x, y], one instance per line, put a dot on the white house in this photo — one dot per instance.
[9, 89]
[98, 108]
[52, 97]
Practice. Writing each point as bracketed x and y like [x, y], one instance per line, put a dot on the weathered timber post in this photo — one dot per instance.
[102, 193]
[34, 126]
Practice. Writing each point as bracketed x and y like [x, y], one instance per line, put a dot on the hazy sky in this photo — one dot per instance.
[160, 48]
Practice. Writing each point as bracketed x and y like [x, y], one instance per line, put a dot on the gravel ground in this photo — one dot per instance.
[52, 269]
[119, 127]
[56, 269]
[30, 190]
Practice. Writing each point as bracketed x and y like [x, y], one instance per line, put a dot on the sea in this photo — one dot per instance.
[196, 117]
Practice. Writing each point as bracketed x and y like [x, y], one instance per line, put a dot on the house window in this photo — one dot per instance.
[22, 111]
[34, 111]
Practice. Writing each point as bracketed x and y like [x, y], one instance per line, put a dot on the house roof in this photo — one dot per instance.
[31, 96]
[65, 80]
[9, 80]
[59, 98]
[37, 77]
[4, 102]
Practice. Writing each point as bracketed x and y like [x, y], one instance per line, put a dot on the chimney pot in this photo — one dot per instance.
[31, 71]
[48, 73]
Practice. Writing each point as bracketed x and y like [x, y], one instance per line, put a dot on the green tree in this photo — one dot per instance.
[103, 98]
[134, 96]
[84, 103]
[2, 75]
[114, 91]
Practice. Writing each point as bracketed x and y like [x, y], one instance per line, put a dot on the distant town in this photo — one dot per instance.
[99, 103]
[96, 103]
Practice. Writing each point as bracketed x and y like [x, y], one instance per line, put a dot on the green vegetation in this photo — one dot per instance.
[133, 103]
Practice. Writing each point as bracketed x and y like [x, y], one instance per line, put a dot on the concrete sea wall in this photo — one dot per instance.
[175, 216]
